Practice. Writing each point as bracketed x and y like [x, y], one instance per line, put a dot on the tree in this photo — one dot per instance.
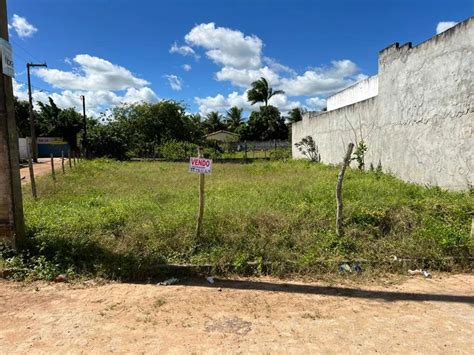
[261, 92]
[22, 117]
[266, 124]
[296, 114]
[234, 118]
[56, 122]
[213, 122]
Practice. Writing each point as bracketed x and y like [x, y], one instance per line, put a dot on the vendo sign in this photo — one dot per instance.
[200, 165]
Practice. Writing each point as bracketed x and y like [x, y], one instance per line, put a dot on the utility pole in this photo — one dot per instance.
[84, 137]
[34, 147]
[12, 226]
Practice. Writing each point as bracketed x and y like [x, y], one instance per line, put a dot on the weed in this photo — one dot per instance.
[120, 219]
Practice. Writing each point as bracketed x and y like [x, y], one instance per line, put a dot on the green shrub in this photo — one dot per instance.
[178, 151]
[280, 154]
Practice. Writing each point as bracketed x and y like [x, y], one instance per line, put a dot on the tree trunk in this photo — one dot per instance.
[340, 177]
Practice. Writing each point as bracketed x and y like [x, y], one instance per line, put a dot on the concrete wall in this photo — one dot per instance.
[363, 90]
[24, 148]
[420, 125]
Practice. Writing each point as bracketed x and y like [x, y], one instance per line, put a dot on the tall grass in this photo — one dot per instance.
[119, 219]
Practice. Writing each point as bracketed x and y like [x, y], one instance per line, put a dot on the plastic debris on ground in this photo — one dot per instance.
[357, 268]
[345, 268]
[210, 280]
[168, 282]
[425, 273]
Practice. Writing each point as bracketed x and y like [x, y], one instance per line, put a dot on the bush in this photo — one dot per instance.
[309, 149]
[178, 151]
[281, 154]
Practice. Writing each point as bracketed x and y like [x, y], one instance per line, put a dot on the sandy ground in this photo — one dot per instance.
[246, 315]
[43, 167]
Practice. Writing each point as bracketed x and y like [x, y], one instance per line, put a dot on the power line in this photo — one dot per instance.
[17, 44]
[38, 88]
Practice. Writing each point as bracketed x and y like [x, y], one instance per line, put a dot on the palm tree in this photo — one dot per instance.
[234, 118]
[296, 114]
[213, 122]
[261, 92]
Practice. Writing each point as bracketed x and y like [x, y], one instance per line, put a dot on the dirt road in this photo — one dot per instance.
[43, 167]
[248, 315]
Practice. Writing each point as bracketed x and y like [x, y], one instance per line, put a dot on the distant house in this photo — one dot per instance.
[222, 136]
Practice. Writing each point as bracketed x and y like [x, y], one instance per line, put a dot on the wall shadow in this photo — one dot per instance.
[338, 291]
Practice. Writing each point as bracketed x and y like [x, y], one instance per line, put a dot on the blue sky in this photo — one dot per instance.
[205, 53]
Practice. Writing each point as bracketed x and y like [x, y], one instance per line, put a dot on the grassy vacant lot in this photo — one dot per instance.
[119, 219]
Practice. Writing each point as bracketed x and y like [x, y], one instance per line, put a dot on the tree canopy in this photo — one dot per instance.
[261, 91]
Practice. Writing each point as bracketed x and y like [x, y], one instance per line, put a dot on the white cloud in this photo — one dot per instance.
[22, 27]
[175, 82]
[226, 46]
[96, 101]
[323, 81]
[444, 25]
[244, 77]
[277, 67]
[315, 103]
[221, 103]
[187, 67]
[93, 73]
[240, 57]
[183, 50]
[102, 83]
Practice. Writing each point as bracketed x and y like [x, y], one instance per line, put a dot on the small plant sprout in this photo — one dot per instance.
[359, 154]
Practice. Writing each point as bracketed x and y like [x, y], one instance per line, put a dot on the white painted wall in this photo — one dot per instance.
[421, 123]
[24, 146]
[360, 91]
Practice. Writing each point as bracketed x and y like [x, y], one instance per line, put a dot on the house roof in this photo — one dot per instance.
[221, 131]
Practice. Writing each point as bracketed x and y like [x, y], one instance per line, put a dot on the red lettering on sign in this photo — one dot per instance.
[200, 162]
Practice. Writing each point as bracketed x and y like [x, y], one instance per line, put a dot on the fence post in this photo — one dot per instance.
[74, 158]
[69, 159]
[245, 151]
[62, 161]
[53, 172]
[32, 177]
[201, 200]
[340, 177]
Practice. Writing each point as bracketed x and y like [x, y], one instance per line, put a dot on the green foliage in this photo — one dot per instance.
[359, 154]
[261, 91]
[140, 129]
[110, 140]
[234, 118]
[213, 122]
[177, 151]
[121, 219]
[296, 114]
[280, 154]
[309, 149]
[55, 122]
[22, 117]
[266, 124]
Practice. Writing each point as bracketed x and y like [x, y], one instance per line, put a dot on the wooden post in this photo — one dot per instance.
[62, 162]
[340, 177]
[69, 159]
[245, 151]
[53, 172]
[32, 177]
[74, 158]
[12, 227]
[201, 200]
